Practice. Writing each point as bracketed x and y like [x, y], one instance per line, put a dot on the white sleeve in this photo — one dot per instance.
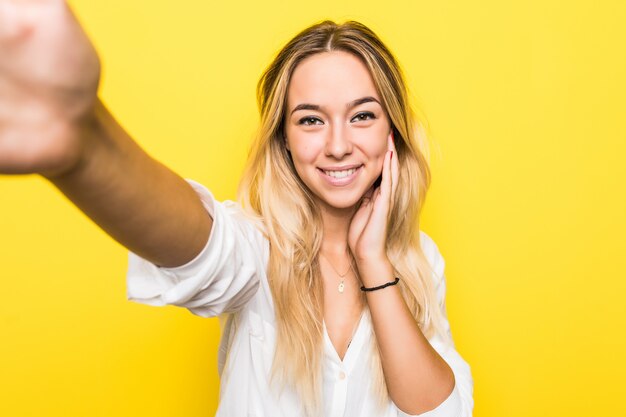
[460, 402]
[221, 279]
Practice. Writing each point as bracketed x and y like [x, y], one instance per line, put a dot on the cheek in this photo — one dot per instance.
[304, 148]
[302, 154]
[377, 152]
[379, 164]
[303, 157]
[377, 148]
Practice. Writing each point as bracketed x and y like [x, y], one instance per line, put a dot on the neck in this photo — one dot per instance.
[336, 224]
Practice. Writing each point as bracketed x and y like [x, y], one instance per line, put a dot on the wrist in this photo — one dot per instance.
[82, 142]
[375, 272]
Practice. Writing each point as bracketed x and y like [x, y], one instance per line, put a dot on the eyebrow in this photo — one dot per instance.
[354, 103]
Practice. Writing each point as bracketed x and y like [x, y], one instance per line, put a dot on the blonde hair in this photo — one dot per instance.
[271, 190]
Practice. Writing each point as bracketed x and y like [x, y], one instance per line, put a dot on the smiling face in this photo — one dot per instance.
[336, 129]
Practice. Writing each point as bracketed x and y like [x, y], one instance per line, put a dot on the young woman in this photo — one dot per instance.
[332, 300]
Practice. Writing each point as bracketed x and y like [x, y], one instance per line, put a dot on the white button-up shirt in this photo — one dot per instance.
[228, 279]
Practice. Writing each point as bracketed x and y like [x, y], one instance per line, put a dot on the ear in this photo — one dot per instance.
[286, 143]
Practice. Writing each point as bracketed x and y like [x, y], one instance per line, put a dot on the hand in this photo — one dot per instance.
[368, 230]
[49, 75]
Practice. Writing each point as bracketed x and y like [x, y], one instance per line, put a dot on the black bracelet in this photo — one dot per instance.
[380, 287]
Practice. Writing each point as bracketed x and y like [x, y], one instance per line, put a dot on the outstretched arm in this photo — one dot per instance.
[137, 200]
[52, 123]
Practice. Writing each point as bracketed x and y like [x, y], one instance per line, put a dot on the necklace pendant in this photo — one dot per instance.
[341, 286]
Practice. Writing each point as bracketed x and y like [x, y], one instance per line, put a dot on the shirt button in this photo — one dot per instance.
[342, 375]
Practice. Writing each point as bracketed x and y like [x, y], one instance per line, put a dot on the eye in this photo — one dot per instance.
[366, 115]
[310, 120]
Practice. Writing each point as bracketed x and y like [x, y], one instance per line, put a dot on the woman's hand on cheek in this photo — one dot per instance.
[368, 229]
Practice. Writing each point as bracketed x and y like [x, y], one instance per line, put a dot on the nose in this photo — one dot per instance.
[338, 142]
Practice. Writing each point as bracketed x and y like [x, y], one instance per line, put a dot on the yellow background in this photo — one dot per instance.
[528, 205]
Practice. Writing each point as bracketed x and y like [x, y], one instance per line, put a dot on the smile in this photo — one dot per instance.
[340, 177]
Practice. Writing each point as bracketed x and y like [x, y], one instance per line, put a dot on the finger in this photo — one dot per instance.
[19, 18]
[380, 212]
[9, 26]
[385, 184]
[395, 169]
[361, 218]
[381, 203]
[376, 195]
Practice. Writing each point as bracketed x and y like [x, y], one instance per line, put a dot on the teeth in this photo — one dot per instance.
[340, 174]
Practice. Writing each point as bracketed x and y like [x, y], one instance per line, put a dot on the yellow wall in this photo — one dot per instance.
[528, 203]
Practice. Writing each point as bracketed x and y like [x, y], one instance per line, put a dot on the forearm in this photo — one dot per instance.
[417, 378]
[135, 199]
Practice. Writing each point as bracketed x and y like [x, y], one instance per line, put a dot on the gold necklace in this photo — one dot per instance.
[341, 285]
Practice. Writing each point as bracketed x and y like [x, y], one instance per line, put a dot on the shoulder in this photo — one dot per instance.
[432, 254]
[229, 213]
[436, 262]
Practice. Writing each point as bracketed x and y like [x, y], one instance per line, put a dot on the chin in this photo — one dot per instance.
[341, 202]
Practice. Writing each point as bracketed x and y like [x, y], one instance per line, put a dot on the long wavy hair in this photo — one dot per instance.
[271, 191]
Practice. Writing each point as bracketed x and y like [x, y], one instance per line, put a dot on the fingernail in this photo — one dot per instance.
[393, 139]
